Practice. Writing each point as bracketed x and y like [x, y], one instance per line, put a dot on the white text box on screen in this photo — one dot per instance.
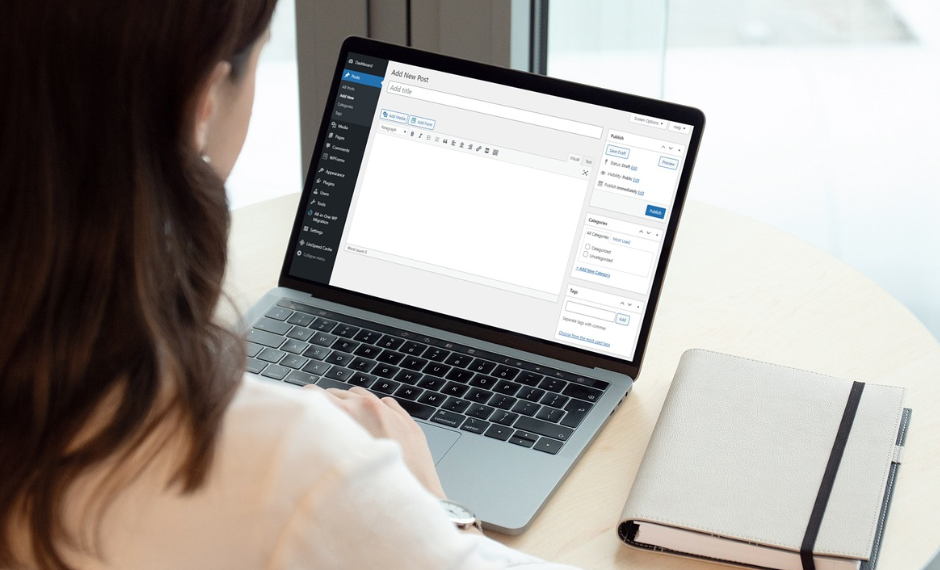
[472, 214]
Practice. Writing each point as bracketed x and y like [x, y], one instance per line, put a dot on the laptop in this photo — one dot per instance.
[487, 246]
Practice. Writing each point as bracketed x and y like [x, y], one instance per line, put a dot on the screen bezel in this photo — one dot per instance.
[522, 80]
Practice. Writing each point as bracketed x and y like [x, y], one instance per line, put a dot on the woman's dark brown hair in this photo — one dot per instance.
[112, 245]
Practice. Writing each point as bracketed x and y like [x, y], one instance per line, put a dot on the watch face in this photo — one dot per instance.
[458, 513]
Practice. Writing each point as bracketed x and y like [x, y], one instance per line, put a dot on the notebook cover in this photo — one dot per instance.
[740, 449]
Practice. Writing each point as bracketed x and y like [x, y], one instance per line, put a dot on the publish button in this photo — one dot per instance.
[656, 212]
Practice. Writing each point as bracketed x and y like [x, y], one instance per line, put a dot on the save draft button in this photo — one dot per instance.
[656, 211]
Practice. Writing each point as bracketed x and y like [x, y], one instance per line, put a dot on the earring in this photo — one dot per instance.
[206, 158]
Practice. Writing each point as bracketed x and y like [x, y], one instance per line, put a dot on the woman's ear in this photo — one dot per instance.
[208, 103]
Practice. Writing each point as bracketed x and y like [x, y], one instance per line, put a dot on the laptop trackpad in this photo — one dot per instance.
[440, 440]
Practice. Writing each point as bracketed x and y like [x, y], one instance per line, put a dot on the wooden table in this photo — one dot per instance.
[736, 286]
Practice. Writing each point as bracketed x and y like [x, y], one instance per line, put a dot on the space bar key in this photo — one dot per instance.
[547, 429]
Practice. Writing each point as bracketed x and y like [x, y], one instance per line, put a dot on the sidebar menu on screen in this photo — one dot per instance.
[333, 174]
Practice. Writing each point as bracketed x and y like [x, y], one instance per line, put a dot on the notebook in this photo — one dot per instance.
[767, 466]
[486, 246]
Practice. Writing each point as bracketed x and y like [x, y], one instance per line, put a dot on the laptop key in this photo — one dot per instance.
[479, 411]
[340, 373]
[316, 367]
[367, 336]
[431, 398]
[503, 417]
[475, 425]
[447, 418]
[525, 408]
[299, 333]
[431, 383]
[460, 375]
[275, 371]
[506, 387]
[436, 369]
[346, 331]
[530, 378]
[406, 392]
[521, 441]
[502, 401]
[552, 384]
[499, 432]
[390, 357]
[265, 338]
[278, 313]
[345, 345]
[555, 400]
[323, 325]
[302, 319]
[367, 351]
[547, 429]
[413, 348]
[390, 342]
[417, 410]
[548, 445]
[323, 339]
[385, 370]
[530, 394]
[455, 405]
[482, 366]
[582, 392]
[413, 363]
[436, 354]
[271, 355]
[576, 412]
[362, 379]
[272, 326]
[294, 361]
[550, 414]
[479, 395]
[385, 386]
[454, 389]
[409, 376]
[317, 352]
[481, 381]
[301, 378]
[339, 358]
[255, 366]
[294, 346]
[505, 372]
[521, 433]
[361, 364]
[459, 360]
[252, 349]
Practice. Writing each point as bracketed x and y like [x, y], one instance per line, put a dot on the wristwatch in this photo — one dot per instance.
[462, 517]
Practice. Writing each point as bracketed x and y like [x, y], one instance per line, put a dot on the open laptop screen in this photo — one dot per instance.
[515, 209]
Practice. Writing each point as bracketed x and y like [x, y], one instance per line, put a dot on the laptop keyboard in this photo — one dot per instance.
[434, 380]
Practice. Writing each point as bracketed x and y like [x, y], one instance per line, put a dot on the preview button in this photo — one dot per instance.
[670, 163]
[656, 211]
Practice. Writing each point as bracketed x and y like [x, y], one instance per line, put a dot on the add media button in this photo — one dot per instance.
[655, 211]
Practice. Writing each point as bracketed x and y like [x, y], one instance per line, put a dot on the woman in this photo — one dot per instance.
[128, 437]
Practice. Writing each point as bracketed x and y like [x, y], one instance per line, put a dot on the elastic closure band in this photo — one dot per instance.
[825, 488]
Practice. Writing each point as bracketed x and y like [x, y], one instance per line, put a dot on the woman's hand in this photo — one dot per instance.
[386, 419]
